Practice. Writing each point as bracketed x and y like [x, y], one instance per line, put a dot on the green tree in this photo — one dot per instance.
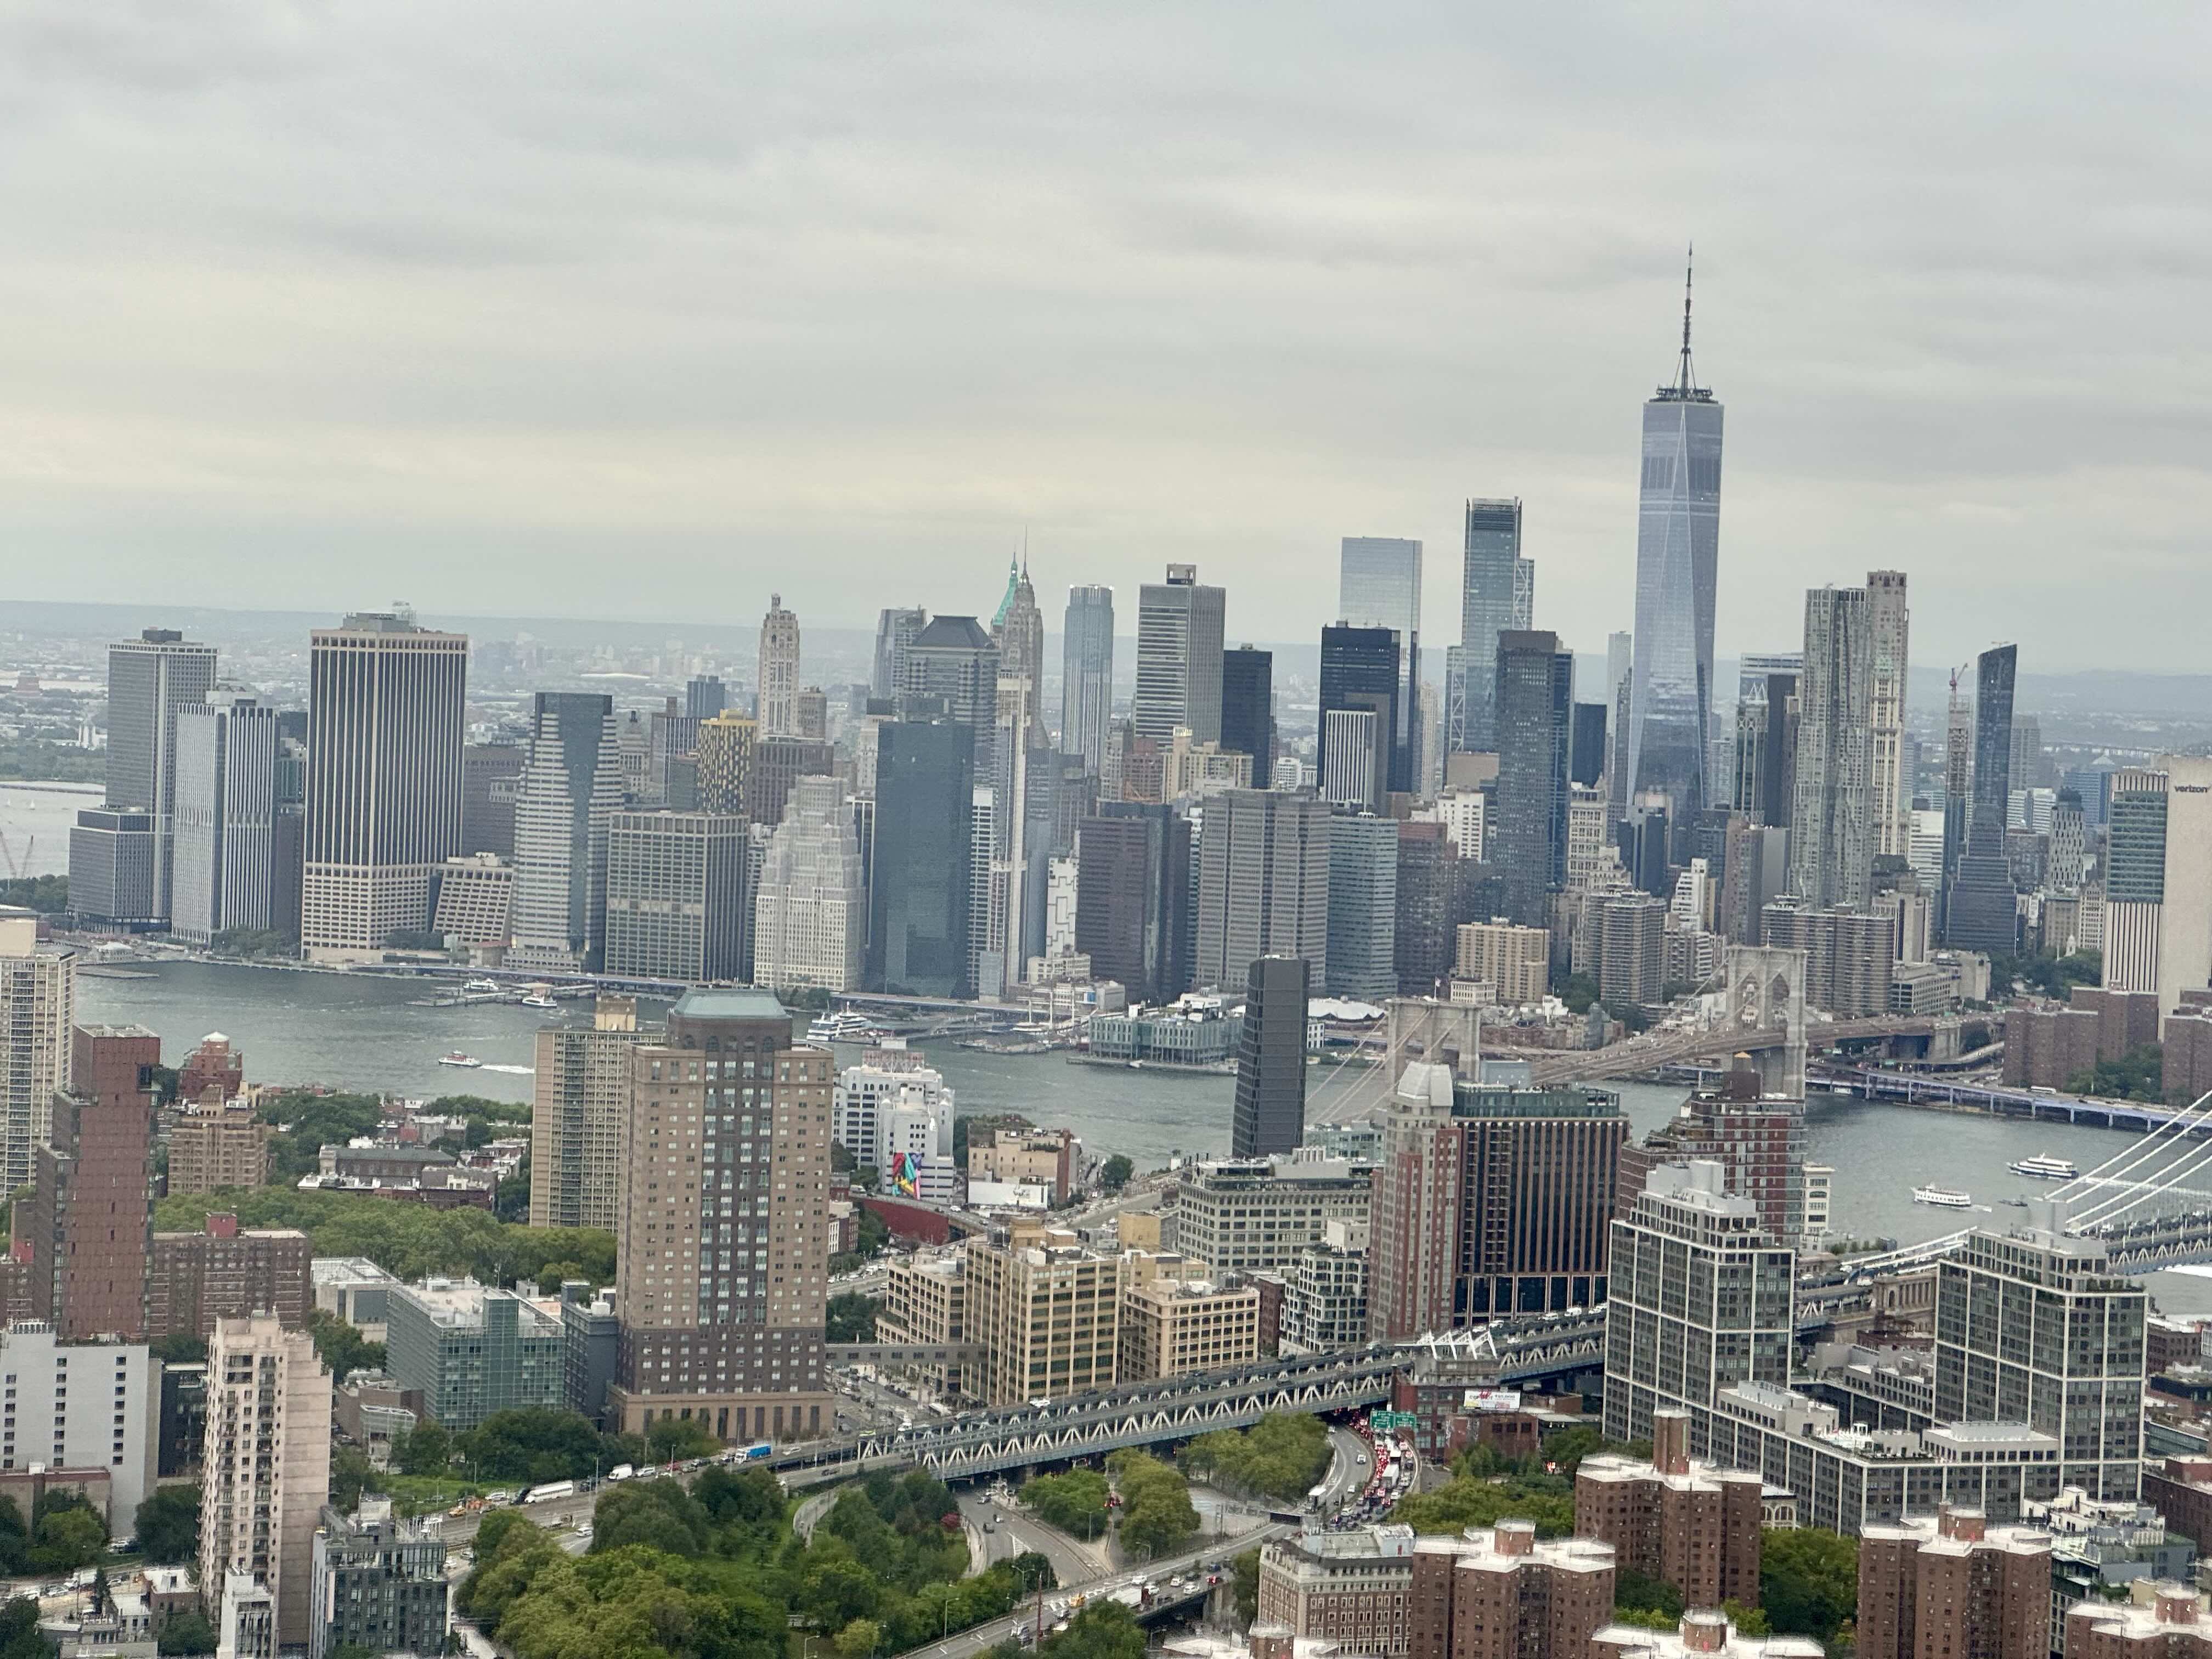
[670, 1439]
[185, 1633]
[859, 1639]
[852, 1317]
[427, 1448]
[1113, 1174]
[1074, 1502]
[1247, 1584]
[1748, 1621]
[168, 1523]
[1641, 1592]
[47, 895]
[535, 1443]
[1280, 1457]
[1103, 1629]
[67, 1539]
[659, 1514]
[351, 1475]
[1548, 1501]
[179, 1348]
[1157, 1515]
[1808, 1581]
[341, 1347]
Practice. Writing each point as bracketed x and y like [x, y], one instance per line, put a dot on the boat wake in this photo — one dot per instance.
[514, 1071]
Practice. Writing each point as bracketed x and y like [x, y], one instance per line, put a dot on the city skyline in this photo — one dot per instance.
[514, 399]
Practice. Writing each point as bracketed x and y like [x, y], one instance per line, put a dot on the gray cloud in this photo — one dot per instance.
[641, 310]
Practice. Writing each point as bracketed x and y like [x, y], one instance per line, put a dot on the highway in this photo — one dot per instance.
[1014, 1530]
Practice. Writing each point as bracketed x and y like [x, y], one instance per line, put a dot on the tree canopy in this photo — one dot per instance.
[1548, 1500]
[1808, 1581]
[168, 1523]
[1157, 1516]
[1280, 1457]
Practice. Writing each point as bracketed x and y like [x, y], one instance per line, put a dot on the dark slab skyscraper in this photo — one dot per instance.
[1271, 1066]
[1535, 686]
[1677, 558]
[921, 886]
[1247, 709]
[1379, 586]
[1361, 669]
[1984, 912]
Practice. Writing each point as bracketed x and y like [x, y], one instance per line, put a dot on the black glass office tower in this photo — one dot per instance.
[1359, 669]
[1535, 686]
[1247, 709]
[1497, 588]
[920, 889]
[1132, 898]
[1586, 753]
[1984, 912]
[1271, 1066]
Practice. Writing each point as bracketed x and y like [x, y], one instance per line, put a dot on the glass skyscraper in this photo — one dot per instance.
[1086, 674]
[1497, 594]
[1984, 912]
[1379, 586]
[1677, 557]
[1535, 685]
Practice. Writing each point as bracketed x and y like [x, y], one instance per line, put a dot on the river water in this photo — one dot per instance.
[360, 1031]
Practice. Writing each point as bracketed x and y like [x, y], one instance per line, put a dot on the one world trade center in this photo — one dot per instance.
[1677, 551]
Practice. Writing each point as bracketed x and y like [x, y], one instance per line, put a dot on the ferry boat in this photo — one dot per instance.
[480, 988]
[2043, 1167]
[1949, 1198]
[457, 1058]
[538, 999]
[840, 1025]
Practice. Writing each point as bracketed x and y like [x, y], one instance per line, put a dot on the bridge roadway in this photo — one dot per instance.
[1879, 1083]
[1652, 1049]
[1174, 1408]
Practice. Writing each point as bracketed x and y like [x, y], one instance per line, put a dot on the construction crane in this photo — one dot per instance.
[15, 871]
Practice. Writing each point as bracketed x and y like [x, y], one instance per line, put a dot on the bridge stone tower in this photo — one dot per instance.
[1766, 995]
[1439, 1033]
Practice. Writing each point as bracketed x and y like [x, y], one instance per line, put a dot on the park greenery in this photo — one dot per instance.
[1280, 1457]
[718, 1573]
[1074, 1502]
[64, 1533]
[1809, 1583]
[168, 1523]
[20, 1638]
[851, 1318]
[47, 895]
[1486, 1488]
[2139, 1074]
[409, 1241]
[1157, 1516]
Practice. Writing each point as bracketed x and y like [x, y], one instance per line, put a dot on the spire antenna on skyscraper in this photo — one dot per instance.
[1687, 381]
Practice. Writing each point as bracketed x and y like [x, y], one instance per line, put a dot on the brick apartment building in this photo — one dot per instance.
[1952, 1585]
[1498, 1592]
[1685, 1523]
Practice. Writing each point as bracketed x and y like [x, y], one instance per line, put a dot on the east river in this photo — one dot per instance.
[360, 1031]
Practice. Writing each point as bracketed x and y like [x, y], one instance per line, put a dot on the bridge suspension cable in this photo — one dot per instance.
[2095, 1187]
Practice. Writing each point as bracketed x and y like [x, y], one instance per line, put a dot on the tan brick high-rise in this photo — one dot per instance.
[1951, 1586]
[1499, 1594]
[723, 1224]
[1686, 1524]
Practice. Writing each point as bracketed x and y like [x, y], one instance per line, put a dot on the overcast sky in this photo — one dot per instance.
[643, 310]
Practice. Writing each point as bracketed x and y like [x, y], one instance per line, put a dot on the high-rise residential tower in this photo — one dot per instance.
[90, 1221]
[1832, 840]
[1271, 1064]
[1247, 709]
[571, 791]
[722, 1259]
[149, 679]
[1263, 882]
[779, 671]
[387, 715]
[579, 1103]
[225, 868]
[1984, 912]
[1379, 586]
[1677, 560]
[1533, 697]
[1018, 631]
[1086, 674]
[1179, 632]
[811, 918]
[1891, 620]
[1497, 590]
[268, 1462]
[38, 1011]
